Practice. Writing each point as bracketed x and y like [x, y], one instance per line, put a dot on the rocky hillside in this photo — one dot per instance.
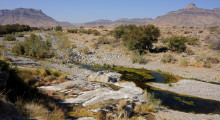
[136, 21]
[190, 16]
[31, 17]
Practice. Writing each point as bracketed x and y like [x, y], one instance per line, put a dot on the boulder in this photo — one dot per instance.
[104, 76]
[3, 79]
[128, 110]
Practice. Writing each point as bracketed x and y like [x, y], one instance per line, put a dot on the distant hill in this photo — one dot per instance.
[31, 17]
[137, 21]
[189, 16]
[99, 23]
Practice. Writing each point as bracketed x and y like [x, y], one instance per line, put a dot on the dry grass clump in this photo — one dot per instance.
[84, 50]
[35, 110]
[41, 76]
[168, 58]
[184, 62]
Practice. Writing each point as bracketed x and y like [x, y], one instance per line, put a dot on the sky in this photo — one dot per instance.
[81, 11]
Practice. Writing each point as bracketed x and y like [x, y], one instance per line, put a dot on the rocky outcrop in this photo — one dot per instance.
[129, 92]
[3, 79]
[31, 17]
[104, 76]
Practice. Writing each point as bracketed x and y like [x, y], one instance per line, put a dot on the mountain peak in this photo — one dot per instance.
[192, 5]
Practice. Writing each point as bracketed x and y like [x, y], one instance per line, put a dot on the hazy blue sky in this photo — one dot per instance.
[78, 11]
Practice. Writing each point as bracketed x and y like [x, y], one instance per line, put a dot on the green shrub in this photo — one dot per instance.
[167, 58]
[58, 28]
[177, 43]
[73, 31]
[33, 46]
[137, 38]
[9, 37]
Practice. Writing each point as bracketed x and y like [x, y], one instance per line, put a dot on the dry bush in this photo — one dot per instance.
[168, 58]
[84, 50]
[184, 62]
[38, 111]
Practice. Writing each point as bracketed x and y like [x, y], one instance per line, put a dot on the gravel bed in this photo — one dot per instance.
[193, 88]
[177, 115]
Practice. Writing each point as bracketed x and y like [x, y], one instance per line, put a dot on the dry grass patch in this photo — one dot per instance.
[38, 111]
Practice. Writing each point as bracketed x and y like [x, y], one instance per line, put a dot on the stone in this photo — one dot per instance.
[3, 79]
[104, 76]
[128, 110]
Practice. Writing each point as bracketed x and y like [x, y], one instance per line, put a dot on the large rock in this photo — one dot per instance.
[3, 79]
[104, 76]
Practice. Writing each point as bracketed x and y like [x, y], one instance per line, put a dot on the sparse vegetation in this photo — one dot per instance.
[168, 58]
[138, 58]
[184, 62]
[28, 99]
[34, 46]
[84, 31]
[9, 37]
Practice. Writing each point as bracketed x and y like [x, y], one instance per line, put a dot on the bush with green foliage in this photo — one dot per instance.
[8, 29]
[177, 43]
[9, 37]
[58, 28]
[137, 38]
[89, 31]
[73, 31]
[33, 46]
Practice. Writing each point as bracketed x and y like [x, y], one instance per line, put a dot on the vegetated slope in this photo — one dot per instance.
[190, 16]
[31, 17]
[136, 21]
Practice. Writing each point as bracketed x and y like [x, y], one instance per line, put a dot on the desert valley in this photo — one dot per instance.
[167, 68]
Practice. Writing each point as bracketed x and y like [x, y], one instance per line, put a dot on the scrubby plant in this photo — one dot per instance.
[177, 43]
[73, 31]
[84, 50]
[189, 51]
[19, 34]
[137, 38]
[138, 58]
[9, 37]
[33, 46]
[58, 28]
[184, 62]
[168, 58]
[192, 41]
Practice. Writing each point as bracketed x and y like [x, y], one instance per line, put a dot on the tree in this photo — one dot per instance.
[177, 43]
[137, 38]
[58, 28]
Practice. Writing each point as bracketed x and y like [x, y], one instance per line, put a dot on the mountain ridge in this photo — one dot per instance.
[189, 16]
[27, 16]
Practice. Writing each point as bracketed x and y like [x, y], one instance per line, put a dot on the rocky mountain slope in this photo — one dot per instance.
[31, 17]
[189, 16]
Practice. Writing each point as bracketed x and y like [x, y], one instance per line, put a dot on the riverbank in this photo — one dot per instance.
[193, 88]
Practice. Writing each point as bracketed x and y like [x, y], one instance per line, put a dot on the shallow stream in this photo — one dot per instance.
[169, 99]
